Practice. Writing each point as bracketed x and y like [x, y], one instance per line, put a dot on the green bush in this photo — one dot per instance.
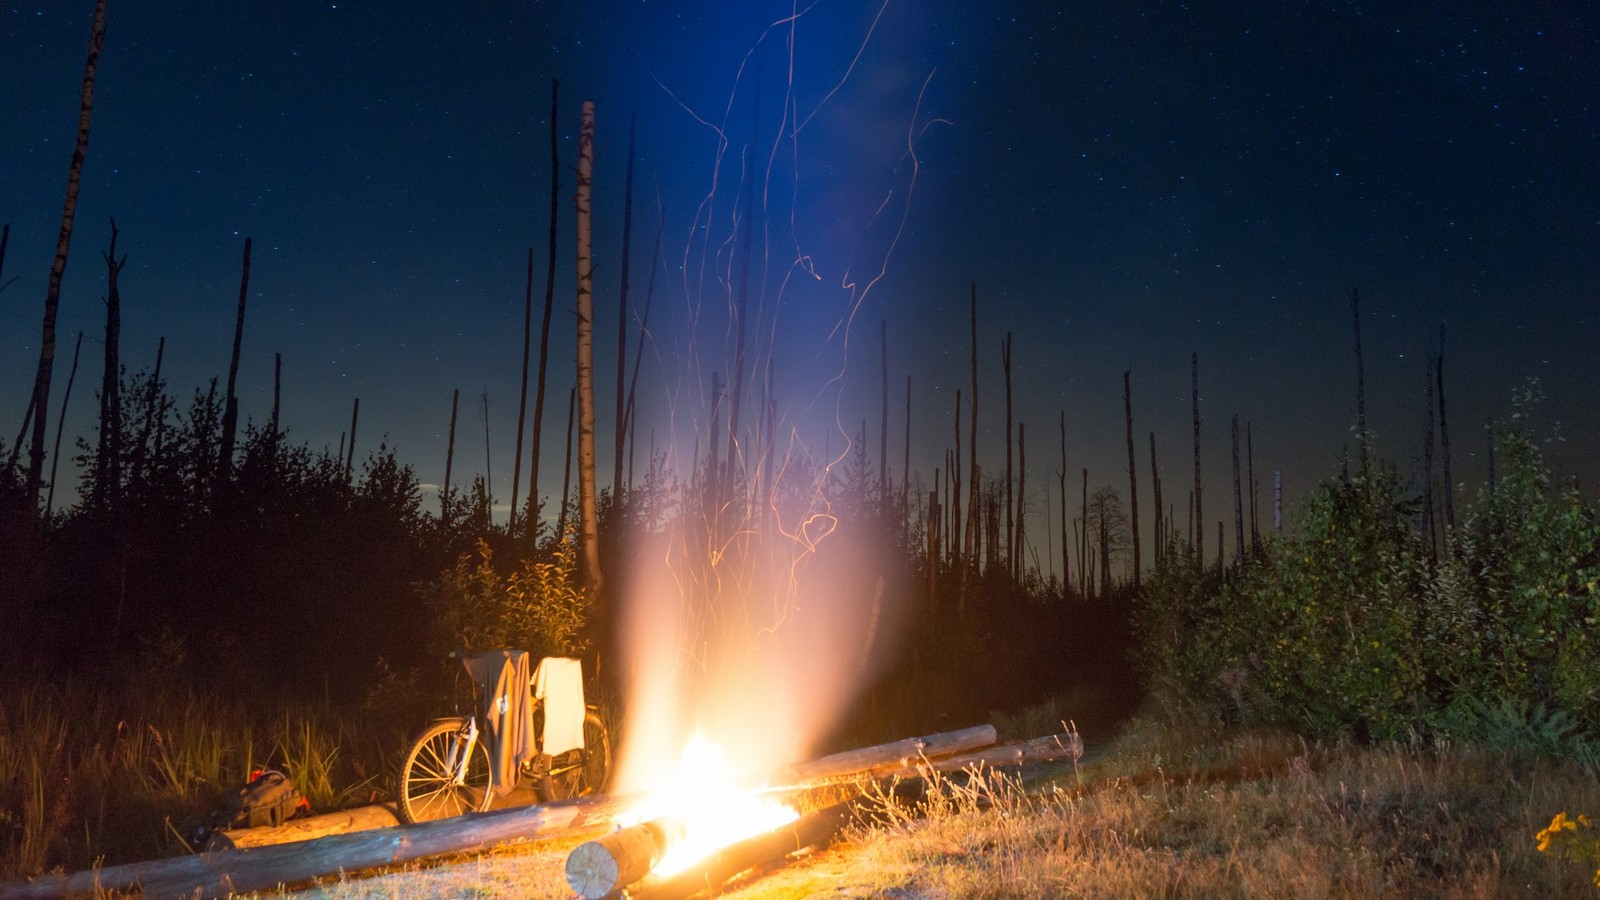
[536, 606]
[1353, 625]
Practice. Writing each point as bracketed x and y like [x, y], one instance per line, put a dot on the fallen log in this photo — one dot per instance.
[613, 861]
[810, 830]
[362, 818]
[894, 755]
[1040, 749]
[261, 868]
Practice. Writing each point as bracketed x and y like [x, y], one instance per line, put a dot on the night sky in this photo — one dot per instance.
[1127, 184]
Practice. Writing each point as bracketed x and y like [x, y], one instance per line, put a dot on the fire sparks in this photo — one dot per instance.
[708, 807]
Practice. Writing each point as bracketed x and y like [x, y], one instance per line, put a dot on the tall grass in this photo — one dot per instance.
[1209, 812]
[93, 773]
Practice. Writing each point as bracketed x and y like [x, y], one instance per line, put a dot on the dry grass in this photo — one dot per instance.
[1207, 813]
[1163, 812]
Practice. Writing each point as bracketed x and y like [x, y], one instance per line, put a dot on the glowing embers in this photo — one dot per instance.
[703, 809]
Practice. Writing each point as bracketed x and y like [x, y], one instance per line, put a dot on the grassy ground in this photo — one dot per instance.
[1162, 811]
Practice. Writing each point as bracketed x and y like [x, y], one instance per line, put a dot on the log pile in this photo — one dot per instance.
[240, 862]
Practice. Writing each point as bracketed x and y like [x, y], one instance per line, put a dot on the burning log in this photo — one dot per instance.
[811, 830]
[894, 756]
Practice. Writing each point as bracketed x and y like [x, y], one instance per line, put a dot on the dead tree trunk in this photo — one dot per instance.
[883, 431]
[1021, 533]
[1066, 514]
[1277, 501]
[544, 328]
[1155, 486]
[1083, 546]
[1361, 379]
[488, 467]
[152, 414]
[52, 297]
[1238, 500]
[1444, 447]
[972, 451]
[230, 403]
[566, 469]
[277, 397]
[955, 494]
[108, 477]
[522, 394]
[1250, 474]
[587, 506]
[905, 463]
[1133, 473]
[55, 455]
[350, 461]
[5, 238]
[1429, 534]
[622, 316]
[1011, 547]
[1199, 515]
[449, 458]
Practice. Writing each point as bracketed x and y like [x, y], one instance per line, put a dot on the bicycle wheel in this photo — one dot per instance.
[579, 773]
[429, 784]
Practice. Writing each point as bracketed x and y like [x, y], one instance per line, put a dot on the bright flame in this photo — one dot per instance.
[708, 807]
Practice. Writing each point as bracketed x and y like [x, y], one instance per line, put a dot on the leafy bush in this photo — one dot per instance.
[1352, 624]
[537, 606]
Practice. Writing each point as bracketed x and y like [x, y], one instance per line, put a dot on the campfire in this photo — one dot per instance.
[708, 824]
[703, 809]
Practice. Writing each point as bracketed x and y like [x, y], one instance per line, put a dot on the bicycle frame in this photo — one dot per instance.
[462, 751]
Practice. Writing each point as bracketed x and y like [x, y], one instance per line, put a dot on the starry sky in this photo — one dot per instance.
[1127, 184]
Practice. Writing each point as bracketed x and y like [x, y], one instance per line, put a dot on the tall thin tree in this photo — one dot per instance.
[587, 505]
[544, 328]
[230, 408]
[1238, 500]
[66, 397]
[1361, 379]
[1066, 513]
[1133, 472]
[1155, 486]
[350, 460]
[1444, 444]
[1005, 366]
[52, 297]
[108, 458]
[1198, 519]
[522, 394]
[621, 423]
[450, 457]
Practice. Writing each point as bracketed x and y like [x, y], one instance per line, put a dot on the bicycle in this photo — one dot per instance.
[448, 769]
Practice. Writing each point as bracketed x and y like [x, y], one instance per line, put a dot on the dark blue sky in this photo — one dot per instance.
[1127, 183]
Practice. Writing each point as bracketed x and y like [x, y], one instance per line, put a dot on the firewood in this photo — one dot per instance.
[894, 755]
[362, 818]
[609, 863]
[810, 830]
[264, 868]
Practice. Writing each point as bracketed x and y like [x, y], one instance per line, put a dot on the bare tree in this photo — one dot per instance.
[544, 328]
[1105, 520]
[1133, 472]
[587, 512]
[108, 458]
[52, 297]
[1066, 514]
[55, 455]
[230, 409]
[1198, 519]
[1238, 501]
[622, 315]
[1005, 365]
[1444, 444]
[1155, 486]
[449, 458]
[1361, 379]
[522, 395]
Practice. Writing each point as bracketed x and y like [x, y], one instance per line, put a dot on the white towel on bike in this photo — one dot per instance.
[559, 683]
